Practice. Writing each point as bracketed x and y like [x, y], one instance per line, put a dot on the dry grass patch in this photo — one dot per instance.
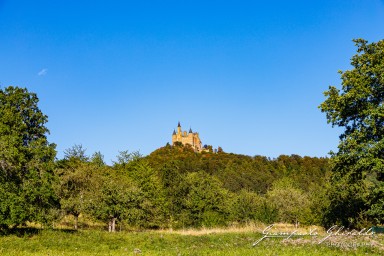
[248, 228]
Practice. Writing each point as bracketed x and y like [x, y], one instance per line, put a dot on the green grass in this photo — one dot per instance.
[91, 242]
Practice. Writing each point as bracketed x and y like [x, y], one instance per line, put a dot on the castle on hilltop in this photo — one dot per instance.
[191, 138]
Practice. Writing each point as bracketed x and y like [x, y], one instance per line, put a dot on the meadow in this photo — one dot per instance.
[180, 242]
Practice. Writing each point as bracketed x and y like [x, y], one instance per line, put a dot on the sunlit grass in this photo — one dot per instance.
[199, 242]
[243, 228]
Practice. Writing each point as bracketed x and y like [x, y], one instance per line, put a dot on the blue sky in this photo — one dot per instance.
[247, 75]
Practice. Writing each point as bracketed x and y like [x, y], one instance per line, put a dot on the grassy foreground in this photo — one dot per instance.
[93, 242]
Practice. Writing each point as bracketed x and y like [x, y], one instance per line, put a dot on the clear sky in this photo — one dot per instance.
[247, 75]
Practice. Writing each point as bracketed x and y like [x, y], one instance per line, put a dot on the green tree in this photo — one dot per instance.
[207, 202]
[151, 192]
[292, 204]
[114, 197]
[76, 152]
[248, 206]
[75, 182]
[75, 177]
[175, 189]
[98, 159]
[124, 157]
[358, 166]
[26, 160]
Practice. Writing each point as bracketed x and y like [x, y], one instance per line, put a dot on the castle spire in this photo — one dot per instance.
[178, 125]
[174, 132]
[190, 130]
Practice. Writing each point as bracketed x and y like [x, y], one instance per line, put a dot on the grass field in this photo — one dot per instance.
[198, 242]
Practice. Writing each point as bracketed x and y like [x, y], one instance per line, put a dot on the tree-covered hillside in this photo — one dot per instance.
[289, 188]
[238, 172]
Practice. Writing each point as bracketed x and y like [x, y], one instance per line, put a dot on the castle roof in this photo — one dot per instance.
[174, 132]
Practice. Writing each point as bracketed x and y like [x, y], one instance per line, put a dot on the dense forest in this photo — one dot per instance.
[176, 187]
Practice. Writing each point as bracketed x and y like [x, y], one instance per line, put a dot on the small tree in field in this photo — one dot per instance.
[113, 197]
[75, 176]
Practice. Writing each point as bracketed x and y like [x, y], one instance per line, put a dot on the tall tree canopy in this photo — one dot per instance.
[26, 159]
[358, 166]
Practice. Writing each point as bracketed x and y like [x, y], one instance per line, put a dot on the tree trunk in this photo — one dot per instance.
[113, 224]
[76, 220]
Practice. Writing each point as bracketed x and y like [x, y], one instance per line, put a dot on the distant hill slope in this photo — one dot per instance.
[238, 172]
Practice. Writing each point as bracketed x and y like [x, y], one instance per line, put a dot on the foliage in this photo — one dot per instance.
[113, 197]
[26, 160]
[206, 200]
[291, 203]
[358, 166]
[175, 190]
[97, 159]
[248, 207]
[152, 197]
[75, 181]
[245, 182]
[77, 152]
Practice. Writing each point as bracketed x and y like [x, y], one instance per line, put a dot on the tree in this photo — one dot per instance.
[75, 182]
[76, 152]
[26, 160]
[114, 197]
[207, 202]
[292, 204]
[98, 159]
[175, 189]
[152, 194]
[75, 176]
[358, 166]
[249, 206]
[124, 157]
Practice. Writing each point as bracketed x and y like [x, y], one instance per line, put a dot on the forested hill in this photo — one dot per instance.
[237, 172]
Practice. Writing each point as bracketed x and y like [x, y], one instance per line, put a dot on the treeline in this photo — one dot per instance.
[177, 187]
